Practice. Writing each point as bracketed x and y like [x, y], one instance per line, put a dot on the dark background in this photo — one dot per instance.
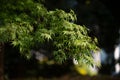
[100, 16]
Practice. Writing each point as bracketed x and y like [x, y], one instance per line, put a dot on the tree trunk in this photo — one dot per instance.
[1, 61]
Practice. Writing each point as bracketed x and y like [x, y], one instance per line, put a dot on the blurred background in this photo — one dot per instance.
[102, 18]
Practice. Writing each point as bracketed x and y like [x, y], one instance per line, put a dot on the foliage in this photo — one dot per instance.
[27, 23]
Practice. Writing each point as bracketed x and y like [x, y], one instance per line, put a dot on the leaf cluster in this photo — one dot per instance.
[28, 23]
